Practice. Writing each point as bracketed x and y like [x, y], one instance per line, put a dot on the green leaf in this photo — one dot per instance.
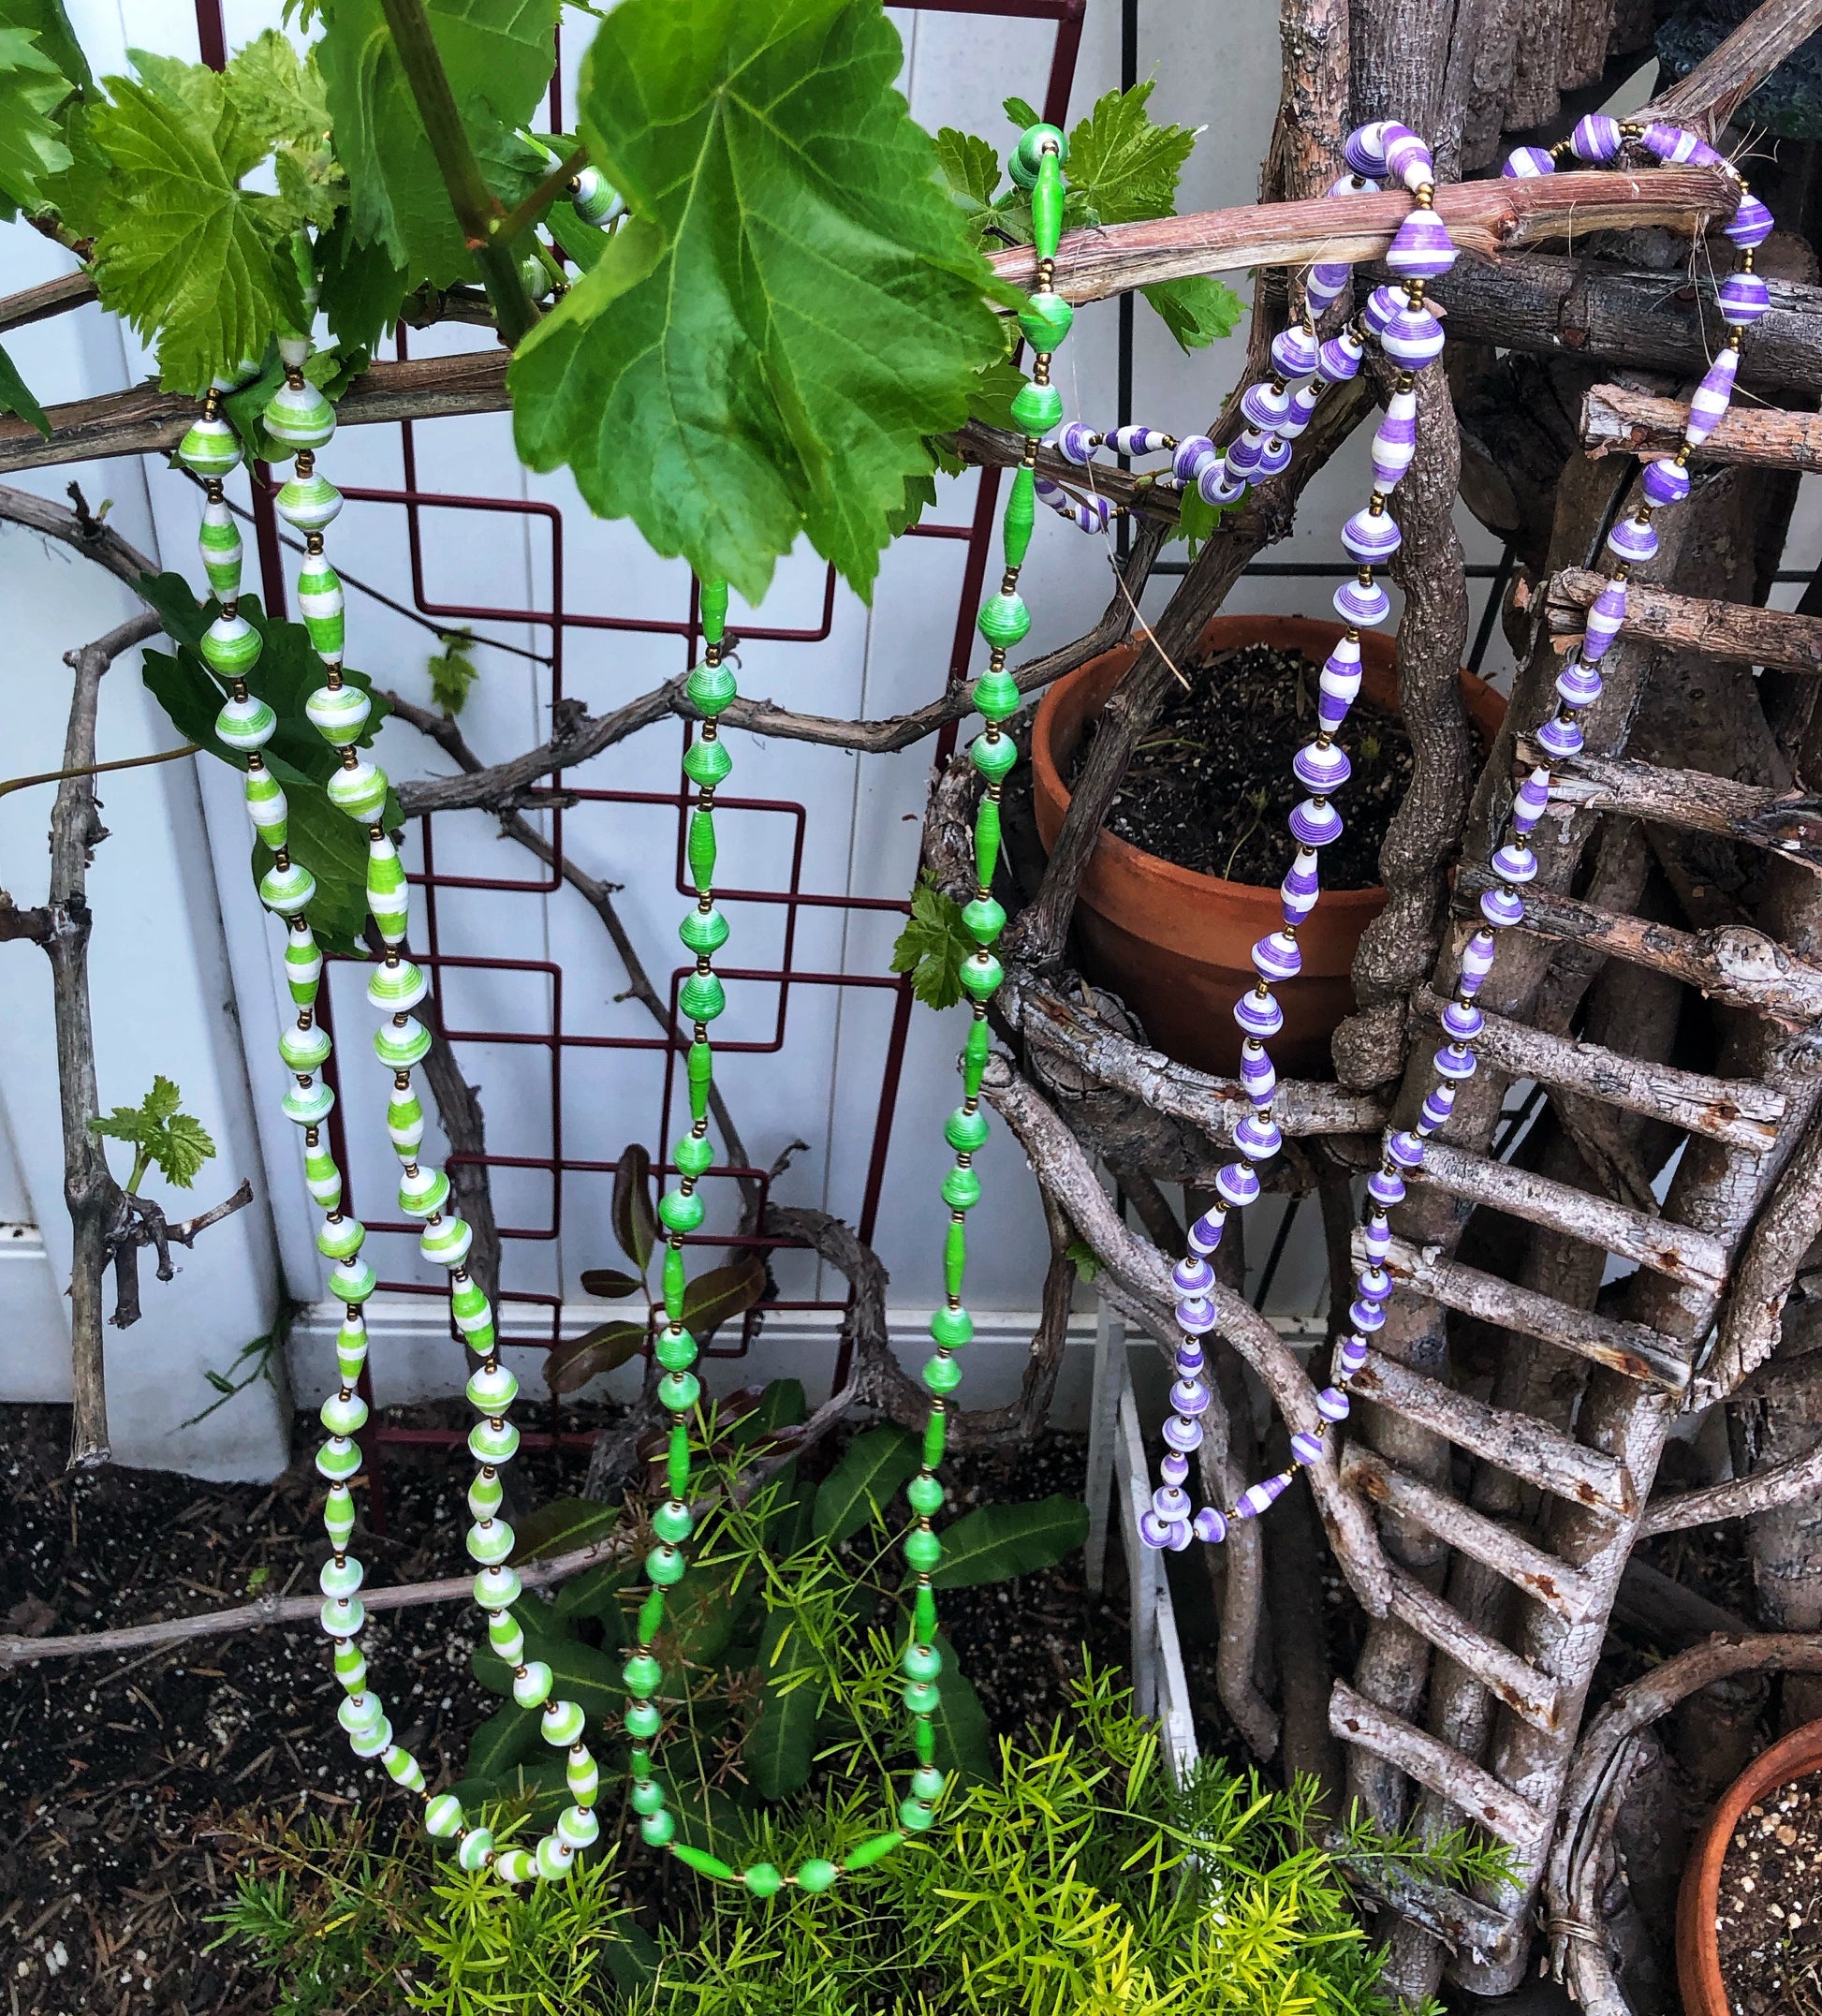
[862, 1484]
[560, 1524]
[718, 1294]
[174, 1143]
[31, 86]
[794, 305]
[1124, 166]
[570, 1364]
[581, 1674]
[1084, 1259]
[186, 1146]
[964, 1738]
[363, 290]
[596, 1593]
[630, 1210]
[582, 241]
[995, 1542]
[16, 397]
[782, 1404]
[510, 1736]
[180, 252]
[279, 96]
[47, 20]
[498, 56]
[780, 1745]
[1196, 310]
[1022, 112]
[932, 946]
[453, 672]
[609, 1282]
[702, 1616]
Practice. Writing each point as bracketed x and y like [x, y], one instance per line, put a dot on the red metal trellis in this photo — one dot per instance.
[556, 1038]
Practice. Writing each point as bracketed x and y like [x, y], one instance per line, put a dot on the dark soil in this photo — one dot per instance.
[1771, 1905]
[1210, 786]
[121, 1775]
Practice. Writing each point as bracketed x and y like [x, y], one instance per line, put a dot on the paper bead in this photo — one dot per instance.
[1633, 540]
[218, 538]
[1413, 338]
[299, 418]
[209, 448]
[1605, 620]
[1370, 537]
[1421, 247]
[1672, 146]
[1525, 163]
[1664, 482]
[1597, 137]
[1341, 358]
[1325, 283]
[1362, 605]
[1295, 352]
[1712, 397]
[1264, 406]
[1751, 223]
[1741, 299]
[1364, 149]
[1395, 444]
[1274, 458]
[1303, 402]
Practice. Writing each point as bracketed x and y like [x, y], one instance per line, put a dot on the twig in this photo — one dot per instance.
[97, 770]
[1740, 1498]
[1729, 75]
[1618, 421]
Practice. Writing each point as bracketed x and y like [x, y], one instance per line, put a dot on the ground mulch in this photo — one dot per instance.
[1210, 784]
[121, 1776]
[1769, 1909]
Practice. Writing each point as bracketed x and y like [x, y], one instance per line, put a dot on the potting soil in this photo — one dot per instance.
[1769, 1908]
[1211, 783]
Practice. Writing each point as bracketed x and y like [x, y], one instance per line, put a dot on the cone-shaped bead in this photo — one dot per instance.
[321, 602]
[218, 540]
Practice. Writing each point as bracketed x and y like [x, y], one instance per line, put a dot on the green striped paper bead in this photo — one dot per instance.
[311, 503]
[595, 200]
[245, 722]
[267, 807]
[339, 713]
[351, 1346]
[446, 1243]
[402, 1042]
[231, 646]
[405, 1121]
[307, 1103]
[299, 418]
[209, 448]
[321, 1177]
[305, 1046]
[358, 790]
[388, 901]
[288, 889]
[395, 985]
[323, 607]
[219, 540]
[303, 963]
[423, 1192]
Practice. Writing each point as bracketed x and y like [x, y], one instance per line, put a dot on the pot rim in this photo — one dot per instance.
[1698, 1901]
[1293, 633]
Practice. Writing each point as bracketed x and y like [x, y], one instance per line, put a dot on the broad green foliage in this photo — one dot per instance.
[31, 86]
[56, 39]
[280, 98]
[163, 1136]
[933, 945]
[498, 56]
[792, 308]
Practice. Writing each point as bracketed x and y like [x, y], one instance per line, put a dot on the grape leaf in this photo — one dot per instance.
[932, 946]
[16, 397]
[1196, 309]
[1125, 166]
[175, 1142]
[278, 95]
[970, 166]
[47, 20]
[498, 56]
[180, 252]
[793, 305]
[31, 86]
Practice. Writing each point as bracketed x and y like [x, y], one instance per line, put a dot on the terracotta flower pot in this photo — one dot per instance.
[1698, 1901]
[1176, 946]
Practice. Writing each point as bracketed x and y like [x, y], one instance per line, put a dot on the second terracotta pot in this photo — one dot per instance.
[1176, 946]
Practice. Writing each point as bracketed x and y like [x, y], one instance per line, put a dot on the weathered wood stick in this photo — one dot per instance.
[1729, 75]
[1740, 1498]
[1529, 1448]
[1677, 1250]
[1616, 421]
[1788, 822]
[1740, 631]
[1741, 1112]
[1736, 964]
[1783, 1233]
[1499, 1669]
[1462, 1923]
[1540, 300]
[49, 298]
[1628, 1348]
[1421, 1756]
[1539, 1573]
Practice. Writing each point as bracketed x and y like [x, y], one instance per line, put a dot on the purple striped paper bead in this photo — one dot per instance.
[1675, 146]
[1502, 907]
[1257, 1138]
[1340, 679]
[1237, 1184]
[1302, 886]
[1180, 1435]
[1559, 738]
[1243, 454]
[1395, 443]
[1413, 338]
[1477, 961]
[1597, 137]
[1137, 440]
[1321, 769]
[1385, 1188]
[1306, 1448]
[1421, 247]
[1216, 486]
[1577, 684]
[1741, 299]
[1373, 1284]
[1333, 1405]
[1453, 1062]
[1276, 958]
[1190, 1358]
[1665, 482]
[1173, 1469]
[1205, 1234]
[1192, 1275]
[1078, 442]
[1408, 159]
[1258, 1015]
[1405, 1149]
[1325, 283]
[1256, 1073]
[1381, 305]
[1351, 1354]
[1532, 799]
[1154, 1531]
[1633, 540]
[1377, 1238]
[1209, 1526]
[1295, 352]
[1462, 1022]
[1274, 458]
[1352, 186]
[1181, 1538]
[1364, 149]
[1189, 1398]
[1362, 605]
[1341, 358]
[1260, 1497]
[1751, 224]
[1304, 399]
[1712, 397]
[1439, 1103]
[1314, 824]
[1092, 514]
[1515, 863]
[1605, 620]
[1371, 537]
[1193, 456]
[1523, 164]
[1169, 1504]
